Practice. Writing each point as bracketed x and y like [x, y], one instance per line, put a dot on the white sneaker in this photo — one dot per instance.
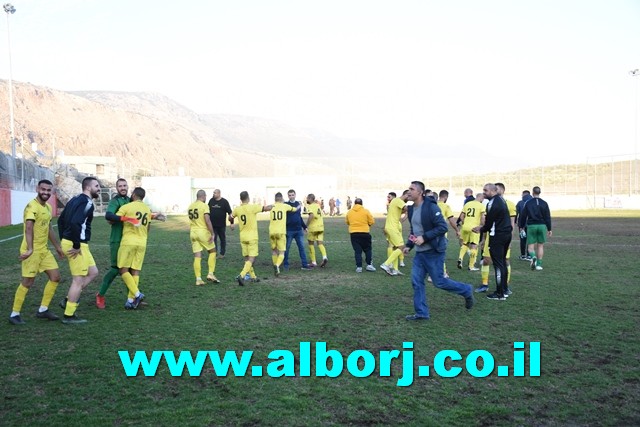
[388, 269]
[395, 272]
[538, 267]
[358, 269]
[402, 264]
[429, 279]
[474, 269]
[370, 267]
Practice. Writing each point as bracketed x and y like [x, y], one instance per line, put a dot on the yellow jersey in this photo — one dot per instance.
[394, 213]
[197, 211]
[248, 220]
[41, 217]
[278, 224]
[317, 223]
[131, 234]
[473, 212]
[446, 210]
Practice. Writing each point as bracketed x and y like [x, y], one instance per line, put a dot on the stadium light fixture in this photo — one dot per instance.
[635, 73]
[10, 10]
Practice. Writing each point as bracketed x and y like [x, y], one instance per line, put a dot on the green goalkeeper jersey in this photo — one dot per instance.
[116, 228]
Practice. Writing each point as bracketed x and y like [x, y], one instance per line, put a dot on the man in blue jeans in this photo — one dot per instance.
[295, 231]
[428, 229]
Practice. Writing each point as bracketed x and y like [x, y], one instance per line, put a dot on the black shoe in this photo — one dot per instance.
[240, 280]
[47, 314]
[17, 320]
[256, 280]
[415, 317]
[72, 320]
[138, 300]
[459, 264]
[496, 297]
[469, 302]
[63, 303]
[533, 263]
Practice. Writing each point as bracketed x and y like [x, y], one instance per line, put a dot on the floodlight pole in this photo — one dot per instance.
[10, 10]
[635, 73]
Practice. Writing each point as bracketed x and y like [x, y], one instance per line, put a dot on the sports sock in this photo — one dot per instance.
[323, 250]
[463, 251]
[211, 262]
[279, 259]
[197, 267]
[401, 259]
[247, 267]
[312, 253]
[484, 272]
[274, 259]
[107, 280]
[393, 258]
[532, 254]
[71, 308]
[539, 262]
[130, 282]
[473, 257]
[47, 295]
[252, 273]
[508, 274]
[21, 293]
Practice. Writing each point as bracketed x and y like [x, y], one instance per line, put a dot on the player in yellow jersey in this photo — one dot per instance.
[393, 232]
[486, 257]
[472, 215]
[35, 255]
[278, 231]
[201, 235]
[246, 214]
[315, 231]
[133, 245]
[447, 213]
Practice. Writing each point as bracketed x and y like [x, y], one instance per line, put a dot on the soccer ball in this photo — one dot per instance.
[247, 276]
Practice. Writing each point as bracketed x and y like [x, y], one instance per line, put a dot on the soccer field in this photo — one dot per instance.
[582, 308]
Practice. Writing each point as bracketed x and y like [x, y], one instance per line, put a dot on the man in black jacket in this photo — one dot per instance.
[498, 224]
[219, 209]
[536, 218]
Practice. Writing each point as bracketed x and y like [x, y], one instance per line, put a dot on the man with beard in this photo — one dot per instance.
[35, 255]
[74, 228]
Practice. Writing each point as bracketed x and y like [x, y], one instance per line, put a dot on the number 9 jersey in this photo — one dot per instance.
[135, 235]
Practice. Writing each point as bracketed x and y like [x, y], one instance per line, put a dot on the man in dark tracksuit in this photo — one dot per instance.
[526, 195]
[296, 228]
[498, 224]
[219, 210]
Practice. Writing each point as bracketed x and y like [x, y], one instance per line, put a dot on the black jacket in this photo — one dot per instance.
[75, 222]
[535, 211]
[497, 220]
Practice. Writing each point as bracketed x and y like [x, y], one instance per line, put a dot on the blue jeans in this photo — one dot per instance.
[300, 241]
[431, 263]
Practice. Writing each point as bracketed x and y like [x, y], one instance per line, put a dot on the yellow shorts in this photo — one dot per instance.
[130, 256]
[200, 241]
[38, 262]
[394, 237]
[79, 265]
[485, 249]
[278, 241]
[469, 237]
[313, 236]
[249, 248]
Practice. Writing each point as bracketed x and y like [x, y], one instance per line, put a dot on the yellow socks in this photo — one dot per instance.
[484, 272]
[49, 291]
[21, 293]
[508, 274]
[246, 269]
[71, 308]
[312, 253]
[211, 262]
[323, 251]
[279, 259]
[197, 268]
[472, 258]
[463, 250]
[128, 280]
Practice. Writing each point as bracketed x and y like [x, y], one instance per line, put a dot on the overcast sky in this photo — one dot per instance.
[548, 79]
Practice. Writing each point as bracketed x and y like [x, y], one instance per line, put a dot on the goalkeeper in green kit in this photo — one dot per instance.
[120, 199]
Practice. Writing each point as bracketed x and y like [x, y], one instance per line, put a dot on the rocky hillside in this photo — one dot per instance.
[147, 130]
